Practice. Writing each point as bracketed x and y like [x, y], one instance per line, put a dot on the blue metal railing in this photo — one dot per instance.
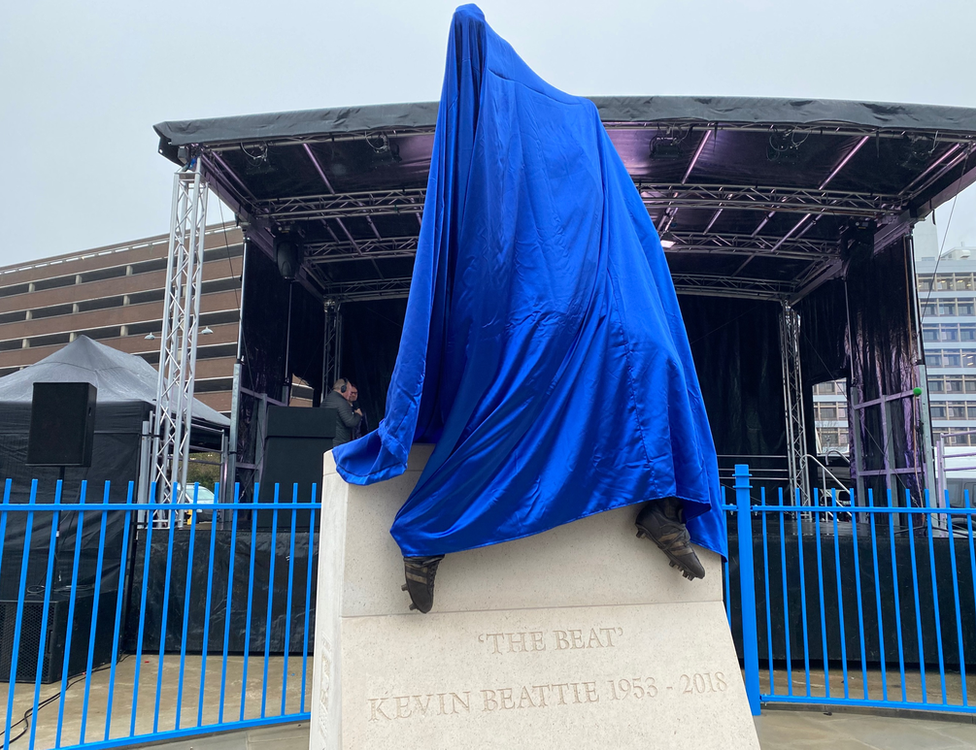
[142, 619]
[135, 622]
[853, 603]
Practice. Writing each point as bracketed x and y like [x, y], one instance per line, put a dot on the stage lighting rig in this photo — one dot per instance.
[385, 151]
[784, 146]
[665, 147]
[920, 150]
[257, 159]
[857, 239]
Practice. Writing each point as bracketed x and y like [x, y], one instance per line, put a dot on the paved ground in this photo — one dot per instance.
[778, 730]
[805, 730]
[930, 687]
[285, 737]
[199, 705]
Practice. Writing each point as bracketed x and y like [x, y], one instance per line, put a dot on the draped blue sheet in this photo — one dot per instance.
[543, 350]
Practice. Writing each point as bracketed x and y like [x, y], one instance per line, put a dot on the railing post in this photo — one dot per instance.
[747, 586]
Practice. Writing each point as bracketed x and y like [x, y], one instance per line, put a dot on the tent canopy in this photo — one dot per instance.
[119, 377]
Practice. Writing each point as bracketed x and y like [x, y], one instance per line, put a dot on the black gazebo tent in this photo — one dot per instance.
[126, 387]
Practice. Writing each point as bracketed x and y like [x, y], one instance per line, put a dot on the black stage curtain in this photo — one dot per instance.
[883, 359]
[824, 354]
[264, 332]
[370, 341]
[735, 344]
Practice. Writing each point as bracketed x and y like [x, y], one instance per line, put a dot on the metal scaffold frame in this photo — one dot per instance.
[796, 434]
[178, 340]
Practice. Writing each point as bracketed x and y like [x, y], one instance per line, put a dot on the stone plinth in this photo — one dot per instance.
[581, 637]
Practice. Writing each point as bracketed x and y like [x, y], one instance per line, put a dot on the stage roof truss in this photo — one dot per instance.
[726, 286]
[325, 252]
[741, 197]
[368, 289]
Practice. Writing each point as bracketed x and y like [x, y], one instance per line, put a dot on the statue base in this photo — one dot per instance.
[580, 637]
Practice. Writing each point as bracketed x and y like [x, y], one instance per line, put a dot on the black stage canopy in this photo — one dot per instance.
[771, 207]
[754, 193]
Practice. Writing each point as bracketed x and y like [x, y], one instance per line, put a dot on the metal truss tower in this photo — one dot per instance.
[332, 345]
[178, 340]
[796, 435]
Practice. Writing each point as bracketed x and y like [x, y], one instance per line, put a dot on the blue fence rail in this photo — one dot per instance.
[855, 602]
[125, 622]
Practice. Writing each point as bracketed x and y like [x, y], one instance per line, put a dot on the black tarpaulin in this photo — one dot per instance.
[245, 601]
[744, 109]
[883, 362]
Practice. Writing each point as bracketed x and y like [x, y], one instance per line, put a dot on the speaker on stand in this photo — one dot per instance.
[62, 424]
[61, 434]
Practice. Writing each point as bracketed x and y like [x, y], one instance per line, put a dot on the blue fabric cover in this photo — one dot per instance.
[543, 350]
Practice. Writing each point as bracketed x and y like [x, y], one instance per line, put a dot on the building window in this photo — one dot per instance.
[831, 388]
[953, 438]
[947, 307]
[956, 410]
[830, 411]
[833, 437]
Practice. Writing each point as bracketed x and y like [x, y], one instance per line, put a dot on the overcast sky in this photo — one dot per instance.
[82, 83]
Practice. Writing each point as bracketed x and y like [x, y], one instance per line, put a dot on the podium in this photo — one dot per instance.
[580, 637]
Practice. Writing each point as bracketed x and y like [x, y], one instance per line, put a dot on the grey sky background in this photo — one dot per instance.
[82, 83]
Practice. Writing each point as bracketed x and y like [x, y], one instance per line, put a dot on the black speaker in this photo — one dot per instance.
[857, 240]
[62, 424]
[53, 639]
[289, 252]
[297, 439]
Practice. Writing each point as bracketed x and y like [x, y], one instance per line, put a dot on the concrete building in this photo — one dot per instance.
[115, 294]
[947, 295]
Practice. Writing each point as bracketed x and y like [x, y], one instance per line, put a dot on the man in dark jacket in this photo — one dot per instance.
[348, 419]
